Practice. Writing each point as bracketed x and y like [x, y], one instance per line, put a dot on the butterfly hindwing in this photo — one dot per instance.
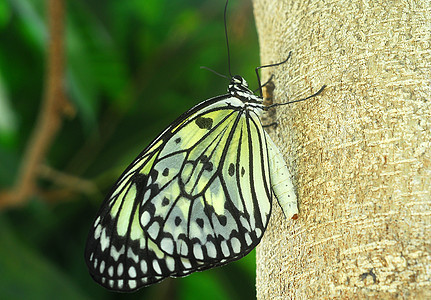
[116, 244]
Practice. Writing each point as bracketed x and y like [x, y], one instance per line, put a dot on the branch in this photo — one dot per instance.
[48, 123]
[66, 182]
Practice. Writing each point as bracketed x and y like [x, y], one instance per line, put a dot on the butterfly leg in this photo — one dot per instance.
[275, 124]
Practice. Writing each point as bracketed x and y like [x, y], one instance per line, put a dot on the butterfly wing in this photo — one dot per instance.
[197, 197]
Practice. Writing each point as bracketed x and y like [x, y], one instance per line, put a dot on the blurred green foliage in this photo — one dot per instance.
[132, 68]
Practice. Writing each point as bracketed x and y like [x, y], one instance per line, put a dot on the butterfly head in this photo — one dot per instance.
[238, 80]
[238, 87]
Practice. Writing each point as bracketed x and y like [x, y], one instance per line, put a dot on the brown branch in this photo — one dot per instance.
[72, 183]
[54, 105]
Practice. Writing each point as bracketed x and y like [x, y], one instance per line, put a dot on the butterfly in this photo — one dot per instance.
[199, 196]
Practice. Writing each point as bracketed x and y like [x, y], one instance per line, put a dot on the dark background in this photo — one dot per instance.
[132, 68]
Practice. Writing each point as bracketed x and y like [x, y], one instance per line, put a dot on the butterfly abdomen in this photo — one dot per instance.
[281, 182]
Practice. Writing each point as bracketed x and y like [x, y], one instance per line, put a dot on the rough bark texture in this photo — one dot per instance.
[359, 153]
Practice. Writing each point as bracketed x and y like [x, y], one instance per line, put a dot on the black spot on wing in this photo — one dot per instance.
[222, 219]
[207, 165]
[200, 222]
[231, 170]
[140, 180]
[204, 123]
[165, 201]
[165, 172]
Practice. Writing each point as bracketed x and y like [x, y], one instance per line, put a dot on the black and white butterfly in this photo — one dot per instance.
[198, 196]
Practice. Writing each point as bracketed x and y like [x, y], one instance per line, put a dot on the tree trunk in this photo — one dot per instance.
[359, 153]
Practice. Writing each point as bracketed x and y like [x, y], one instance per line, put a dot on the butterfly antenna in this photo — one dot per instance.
[227, 39]
[215, 72]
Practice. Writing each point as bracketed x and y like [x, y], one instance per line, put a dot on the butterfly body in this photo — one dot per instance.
[199, 196]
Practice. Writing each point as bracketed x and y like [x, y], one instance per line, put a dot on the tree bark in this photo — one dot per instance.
[359, 153]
